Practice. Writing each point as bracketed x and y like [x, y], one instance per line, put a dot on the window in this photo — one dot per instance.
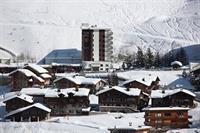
[180, 114]
[167, 114]
[158, 115]
[158, 121]
[101, 65]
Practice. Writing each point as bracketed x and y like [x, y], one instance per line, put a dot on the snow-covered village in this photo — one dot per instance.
[103, 66]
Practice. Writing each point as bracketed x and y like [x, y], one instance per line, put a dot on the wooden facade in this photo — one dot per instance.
[179, 99]
[144, 87]
[66, 83]
[47, 80]
[137, 84]
[28, 115]
[16, 103]
[173, 117]
[116, 101]
[20, 80]
[62, 106]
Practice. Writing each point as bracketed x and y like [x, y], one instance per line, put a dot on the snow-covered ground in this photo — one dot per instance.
[29, 26]
[77, 124]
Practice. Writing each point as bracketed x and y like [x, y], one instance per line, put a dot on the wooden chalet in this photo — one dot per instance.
[34, 112]
[17, 101]
[166, 117]
[93, 84]
[71, 101]
[146, 84]
[177, 97]
[22, 78]
[120, 99]
[40, 72]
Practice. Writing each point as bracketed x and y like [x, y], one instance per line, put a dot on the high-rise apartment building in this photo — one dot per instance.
[97, 48]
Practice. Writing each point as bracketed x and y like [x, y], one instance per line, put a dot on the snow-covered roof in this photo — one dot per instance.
[37, 68]
[130, 92]
[167, 77]
[20, 96]
[28, 73]
[164, 108]
[94, 99]
[146, 79]
[45, 76]
[56, 92]
[164, 93]
[37, 105]
[81, 80]
[34, 91]
[176, 63]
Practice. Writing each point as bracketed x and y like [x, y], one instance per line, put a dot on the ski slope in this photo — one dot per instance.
[37, 27]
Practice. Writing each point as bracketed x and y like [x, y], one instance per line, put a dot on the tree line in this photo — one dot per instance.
[150, 59]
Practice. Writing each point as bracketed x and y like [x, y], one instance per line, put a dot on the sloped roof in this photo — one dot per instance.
[55, 93]
[165, 93]
[131, 92]
[37, 68]
[146, 80]
[27, 73]
[37, 105]
[34, 91]
[20, 96]
[58, 53]
[81, 80]
[45, 75]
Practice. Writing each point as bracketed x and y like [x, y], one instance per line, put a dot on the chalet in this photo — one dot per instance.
[120, 99]
[146, 84]
[17, 101]
[38, 94]
[34, 112]
[177, 97]
[166, 117]
[70, 101]
[139, 129]
[21, 78]
[80, 82]
[40, 72]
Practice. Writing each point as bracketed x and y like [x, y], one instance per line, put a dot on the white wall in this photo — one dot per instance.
[96, 45]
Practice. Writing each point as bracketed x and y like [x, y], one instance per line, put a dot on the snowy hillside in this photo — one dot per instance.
[40, 26]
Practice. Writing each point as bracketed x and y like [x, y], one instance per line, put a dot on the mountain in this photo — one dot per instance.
[37, 27]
